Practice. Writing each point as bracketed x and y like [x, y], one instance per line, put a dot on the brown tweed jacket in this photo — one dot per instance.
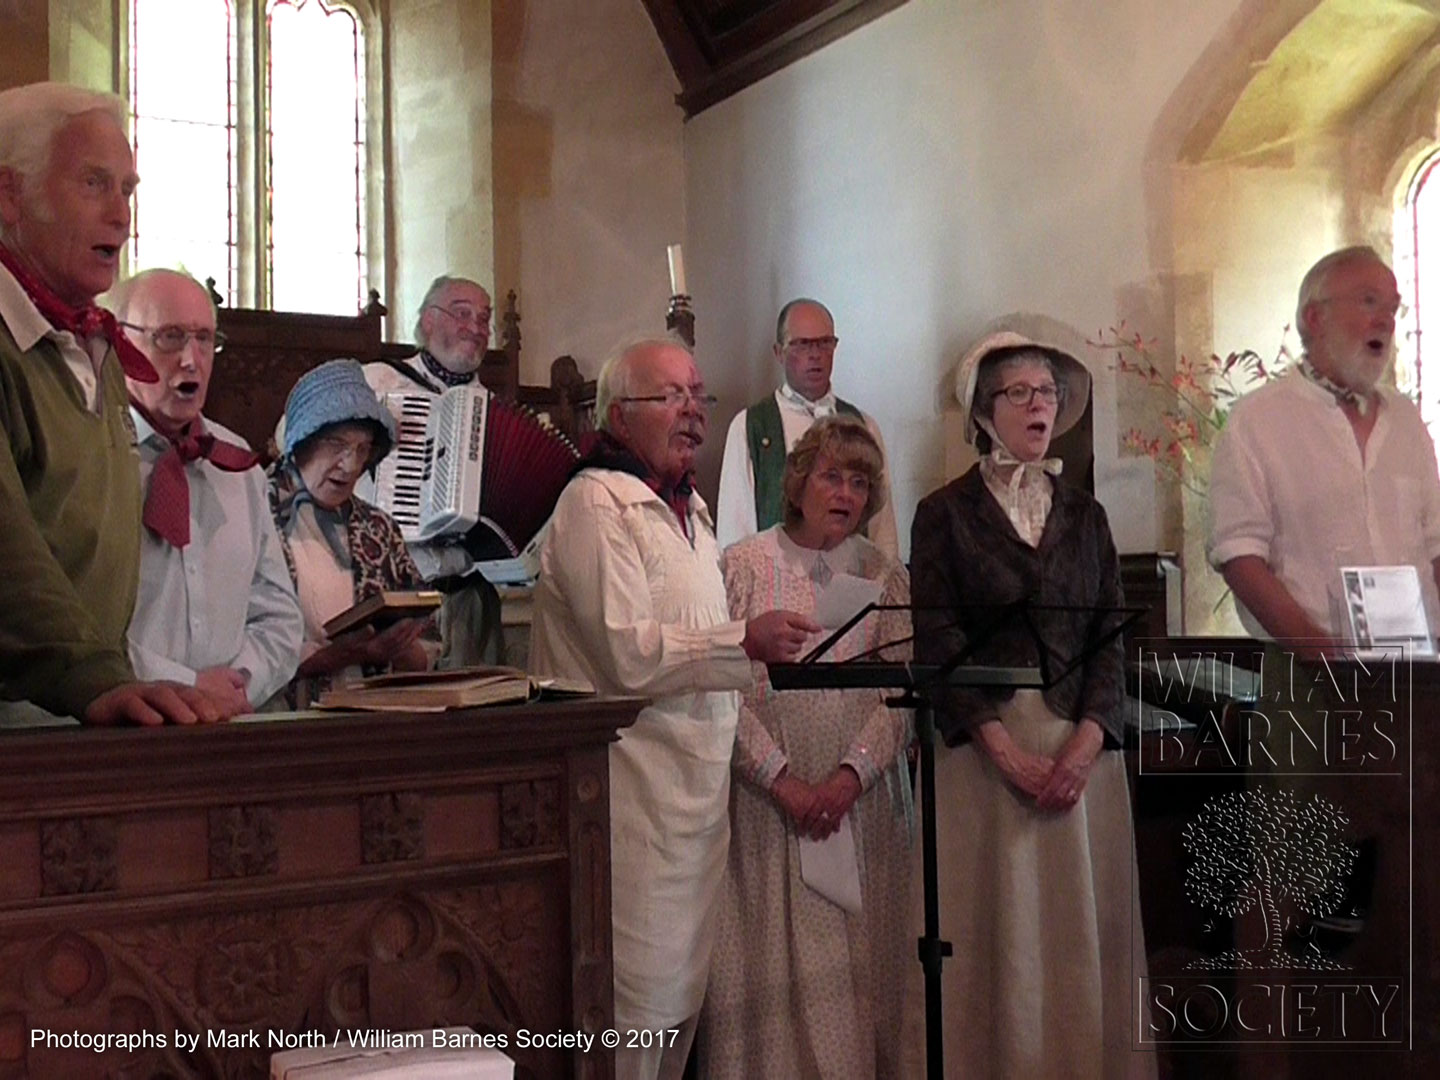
[966, 555]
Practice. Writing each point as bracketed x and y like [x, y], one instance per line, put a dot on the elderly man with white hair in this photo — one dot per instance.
[453, 332]
[69, 487]
[216, 608]
[631, 599]
[1326, 466]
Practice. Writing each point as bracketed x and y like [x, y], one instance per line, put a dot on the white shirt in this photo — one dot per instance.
[1288, 484]
[82, 359]
[223, 600]
[625, 601]
[735, 504]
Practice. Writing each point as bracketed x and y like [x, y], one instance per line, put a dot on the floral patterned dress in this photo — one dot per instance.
[798, 987]
[375, 550]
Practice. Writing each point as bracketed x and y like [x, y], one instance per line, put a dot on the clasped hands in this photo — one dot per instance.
[816, 810]
[1054, 783]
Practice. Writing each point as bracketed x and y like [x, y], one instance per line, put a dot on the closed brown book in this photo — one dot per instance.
[431, 691]
[383, 608]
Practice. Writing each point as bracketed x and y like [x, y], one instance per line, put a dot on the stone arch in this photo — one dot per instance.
[1288, 138]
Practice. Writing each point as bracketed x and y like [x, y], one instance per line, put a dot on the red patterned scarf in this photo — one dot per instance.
[83, 322]
[167, 503]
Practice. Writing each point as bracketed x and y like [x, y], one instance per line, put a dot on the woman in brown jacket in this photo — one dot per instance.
[1036, 853]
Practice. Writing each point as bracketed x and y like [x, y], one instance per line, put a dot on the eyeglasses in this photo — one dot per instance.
[1370, 303]
[172, 339]
[466, 315]
[813, 344]
[339, 448]
[1020, 395]
[676, 398]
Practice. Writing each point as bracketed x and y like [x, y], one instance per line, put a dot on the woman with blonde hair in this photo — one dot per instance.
[803, 985]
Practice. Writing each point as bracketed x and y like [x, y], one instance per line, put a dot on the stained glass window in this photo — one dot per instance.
[316, 136]
[182, 94]
[251, 148]
[1417, 266]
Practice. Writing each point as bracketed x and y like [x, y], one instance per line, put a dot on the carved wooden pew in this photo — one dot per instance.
[351, 873]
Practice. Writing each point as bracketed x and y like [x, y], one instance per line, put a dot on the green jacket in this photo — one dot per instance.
[765, 435]
[69, 530]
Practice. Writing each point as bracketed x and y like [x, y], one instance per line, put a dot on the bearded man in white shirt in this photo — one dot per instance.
[215, 607]
[631, 599]
[1326, 467]
[453, 332]
[753, 467]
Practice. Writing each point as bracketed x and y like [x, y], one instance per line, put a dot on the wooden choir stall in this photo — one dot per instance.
[267, 351]
[346, 873]
[354, 873]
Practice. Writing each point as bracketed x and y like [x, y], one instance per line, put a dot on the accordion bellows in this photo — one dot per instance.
[470, 464]
[527, 464]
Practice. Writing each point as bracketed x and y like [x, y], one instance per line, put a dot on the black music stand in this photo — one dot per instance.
[918, 684]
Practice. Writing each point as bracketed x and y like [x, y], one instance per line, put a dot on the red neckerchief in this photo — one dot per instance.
[84, 323]
[601, 450]
[167, 503]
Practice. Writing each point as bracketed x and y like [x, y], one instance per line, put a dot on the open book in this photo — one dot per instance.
[382, 608]
[434, 691]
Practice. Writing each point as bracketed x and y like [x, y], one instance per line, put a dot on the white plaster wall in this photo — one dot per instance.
[944, 165]
[82, 41]
[590, 175]
[1255, 231]
[441, 149]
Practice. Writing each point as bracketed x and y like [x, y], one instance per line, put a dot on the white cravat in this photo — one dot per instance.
[816, 410]
[1022, 488]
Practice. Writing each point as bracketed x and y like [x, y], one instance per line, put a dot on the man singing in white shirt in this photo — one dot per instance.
[1325, 467]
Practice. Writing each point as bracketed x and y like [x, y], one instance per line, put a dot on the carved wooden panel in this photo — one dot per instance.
[242, 841]
[530, 814]
[475, 957]
[392, 827]
[718, 47]
[362, 873]
[77, 856]
[266, 351]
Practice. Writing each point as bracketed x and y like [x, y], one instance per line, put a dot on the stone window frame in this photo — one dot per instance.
[252, 285]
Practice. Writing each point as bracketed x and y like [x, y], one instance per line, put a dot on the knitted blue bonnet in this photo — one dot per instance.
[335, 393]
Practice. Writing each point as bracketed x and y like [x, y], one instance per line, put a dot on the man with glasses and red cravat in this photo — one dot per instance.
[216, 608]
[453, 332]
[752, 470]
[69, 489]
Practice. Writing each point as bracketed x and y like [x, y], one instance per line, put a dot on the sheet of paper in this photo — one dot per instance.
[842, 598]
[1386, 607]
[830, 868]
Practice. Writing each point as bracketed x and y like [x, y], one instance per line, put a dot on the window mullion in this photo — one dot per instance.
[251, 169]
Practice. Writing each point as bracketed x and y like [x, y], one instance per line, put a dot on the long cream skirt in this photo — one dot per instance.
[1043, 912]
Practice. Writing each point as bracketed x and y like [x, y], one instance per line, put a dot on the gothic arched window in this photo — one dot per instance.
[250, 141]
[1417, 267]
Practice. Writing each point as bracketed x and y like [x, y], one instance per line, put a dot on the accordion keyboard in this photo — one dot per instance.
[399, 477]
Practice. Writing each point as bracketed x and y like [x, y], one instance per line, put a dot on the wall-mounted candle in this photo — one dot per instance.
[677, 270]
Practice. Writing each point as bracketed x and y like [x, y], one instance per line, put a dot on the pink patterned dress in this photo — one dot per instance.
[799, 987]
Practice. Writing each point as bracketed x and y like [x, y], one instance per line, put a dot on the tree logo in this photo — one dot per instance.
[1266, 849]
